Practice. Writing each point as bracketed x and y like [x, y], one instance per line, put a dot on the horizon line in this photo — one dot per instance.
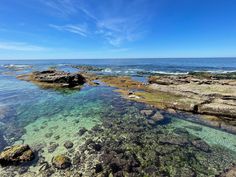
[122, 58]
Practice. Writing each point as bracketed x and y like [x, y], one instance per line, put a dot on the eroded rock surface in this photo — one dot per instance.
[16, 155]
[204, 96]
[54, 78]
[61, 162]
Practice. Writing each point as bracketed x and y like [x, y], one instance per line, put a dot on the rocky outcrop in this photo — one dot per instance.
[58, 77]
[203, 95]
[16, 155]
[54, 79]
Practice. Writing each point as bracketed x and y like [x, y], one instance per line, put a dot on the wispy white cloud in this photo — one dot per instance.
[77, 29]
[118, 22]
[20, 46]
[62, 7]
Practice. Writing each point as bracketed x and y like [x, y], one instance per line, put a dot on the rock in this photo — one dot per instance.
[60, 78]
[16, 154]
[97, 146]
[229, 173]
[171, 111]
[151, 122]
[134, 96]
[48, 135]
[218, 108]
[61, 162]
[174, 140]
[146, 112]
[82, 131]
[52, 147]
[68, 144]
[157, 117]
[181, 131]
[98, 168]
[201, 145]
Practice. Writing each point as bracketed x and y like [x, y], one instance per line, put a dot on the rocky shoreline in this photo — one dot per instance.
[213, 98]
[133, 139]
[211, 95]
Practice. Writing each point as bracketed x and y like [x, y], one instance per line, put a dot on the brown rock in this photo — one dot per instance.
[16, 154]
[146, 112]
[157, 117]
[61, 162]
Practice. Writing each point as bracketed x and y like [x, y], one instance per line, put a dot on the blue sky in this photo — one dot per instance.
[55, 29]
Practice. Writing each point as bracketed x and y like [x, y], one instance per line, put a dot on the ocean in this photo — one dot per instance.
[42, 117]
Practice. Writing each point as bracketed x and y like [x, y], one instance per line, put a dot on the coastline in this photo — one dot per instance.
[116, 125]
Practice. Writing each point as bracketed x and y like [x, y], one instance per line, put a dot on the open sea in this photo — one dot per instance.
[36, 116]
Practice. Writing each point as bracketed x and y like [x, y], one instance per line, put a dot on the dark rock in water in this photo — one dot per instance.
[52, 147]
[77, 158]
[59, 77]
[180, 131]
[97, 128]
[68, 144]
[16, 154]
[174, 140]
[98, 168]
[61, 162]
[195, 128]
[23, 170]
[97, 147]
[48, 135]
[82, 131]
[146, 112]
[201, 145]
[57, 137]
[151, 122]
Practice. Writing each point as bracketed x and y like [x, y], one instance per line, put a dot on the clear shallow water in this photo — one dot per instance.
[37, 116]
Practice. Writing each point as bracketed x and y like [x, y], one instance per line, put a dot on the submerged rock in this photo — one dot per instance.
[157, 117]
[146, 112]
[52, 147]
[16, 154]
[61, 162]
[82, 131]
[201, 145]
[68, 144]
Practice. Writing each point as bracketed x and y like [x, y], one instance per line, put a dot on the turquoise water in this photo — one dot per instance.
[42, 117]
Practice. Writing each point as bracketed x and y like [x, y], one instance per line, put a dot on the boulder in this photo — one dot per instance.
[61, 78]
[157, 117]
[146, 112]
[82, 131]
[68, 144]
[201, 145]
[16, 154]
[61, 162]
